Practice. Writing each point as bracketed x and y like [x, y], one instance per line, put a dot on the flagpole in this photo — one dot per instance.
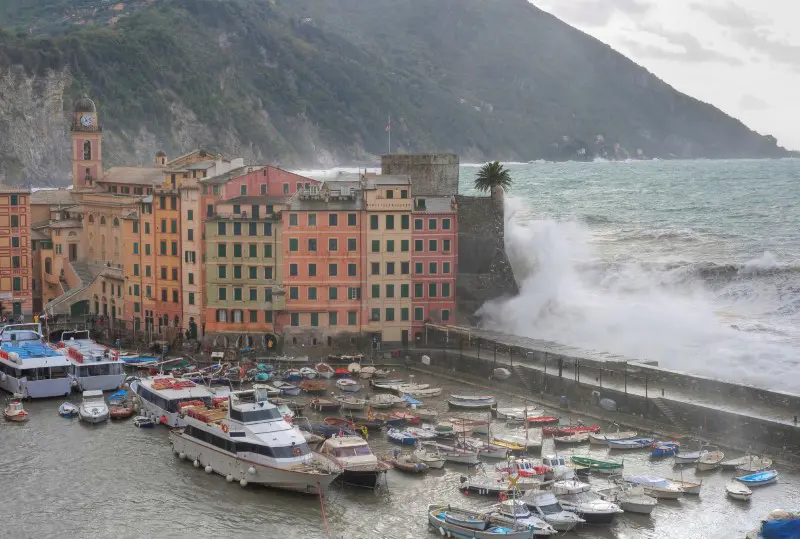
[389, 130]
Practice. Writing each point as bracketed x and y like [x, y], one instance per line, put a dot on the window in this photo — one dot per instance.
[174, 248]
[136, 270]
[174, 274]
[432, 268]
[17, 284]
[431, 224]
[190, 234]
[376, 291]
[352, 220]
[294, 292]
[404, 246]
[354, 293]
[242, 189]
[419, 246]
[333, 270]
[222, 272]
[163, 225]
[268, 273]
[432, 246]
[418, 313]
[375, 268]
[295, 317]
[373, 222]
[390, 268]
[222, 250]
[376, 246]
[137, 307]
[314, 319]
[191, 278]
[312, 293]
[404, 219]
[293, 245]
[147, 228]
[267, 251]
[136, 290]
[285, 188]
[333, 219]
[445, 290]
[164, 273]
[252, 229]
[389, 193]
[268, 229]
[237, 250]
[209, 210]
[134, 225]
[268, 316]
[237, 294]
[419, 269]
[292, 270]
[351, 270]
[163, 294]
[253, 316]
[135, 248]
[404, 314]
[147, 271]
[237, 272]
[351, 244]
[237, 227]
[390, 314]
[404, 268]
[222, 294]
[148, 291]
[252, 250]
[292, 219]
[376, 315]
[268, 295]
[175, 298]
[15, 199]
[389, 246]
[404, 290]
[312, 270]
[418, 290]
[312, 219]
[404, 193]
[351, 318]
[15, 221]
[333, 292]
[417, 224]
[173, 203]
[173, 226]
[333, 318]
[147, 249]
[389, 290]
[222, 315]
[446, 267]
[432, 290]
[312, 245]
[390, 222]
[163, 248]
[221, 229]
[446, 246]
[333, 244]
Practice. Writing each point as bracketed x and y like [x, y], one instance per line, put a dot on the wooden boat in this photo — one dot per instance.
[412, 392]
[431, 459]
[341, 372]
[367, 372]
[324, 370]
[308, 373]
[121, 410]
[602, 438]
[348, 385]
[68, 410]
[657, 487]
[542, 420]
[484, 449]
[472, 402]
[688, 457]
[710, 460]
[407, 418]
[455, 522]
[630, 443]
[382, 373]
[313, 387]
[453, 454]
[15, 411]
[572, 439]
[757, 479]
[567, 431]
[406, 463]
[388, 421]
[515, 415]
[292, 375]
[350, 403]
[630, 498]
[286, 388]
[730, 464]
[754, 464]
[531, 443]
[664, 449]
[386, 400]
[421, 433]
[738, 491]
[324, 405]
[688, 487]
[426, 414]
[602, 466]
[340, 422]
[372, 425]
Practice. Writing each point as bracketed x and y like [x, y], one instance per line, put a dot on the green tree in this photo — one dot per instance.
[491, 176]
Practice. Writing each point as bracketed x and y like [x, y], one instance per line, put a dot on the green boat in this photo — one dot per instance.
[602, 466]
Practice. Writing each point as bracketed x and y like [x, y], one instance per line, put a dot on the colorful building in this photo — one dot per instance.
[16, 286]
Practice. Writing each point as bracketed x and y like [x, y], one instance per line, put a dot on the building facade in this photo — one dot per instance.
[16, 282]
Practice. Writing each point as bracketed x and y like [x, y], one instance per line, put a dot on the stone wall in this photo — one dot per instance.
[431, 174]
[484, 272]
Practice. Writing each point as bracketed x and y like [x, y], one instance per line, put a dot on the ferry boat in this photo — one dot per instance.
[247, 440]
[94, 367]
[160, 397]
[29, 366]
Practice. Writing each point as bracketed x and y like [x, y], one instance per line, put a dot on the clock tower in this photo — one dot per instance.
[87, 134]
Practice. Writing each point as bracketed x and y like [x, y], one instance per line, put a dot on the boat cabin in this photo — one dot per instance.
[554, 460]
[168, 393]
[350, 450]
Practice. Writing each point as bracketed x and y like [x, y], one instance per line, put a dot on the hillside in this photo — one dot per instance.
[313, 82]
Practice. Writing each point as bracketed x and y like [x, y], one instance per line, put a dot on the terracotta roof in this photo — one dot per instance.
[13, 189]
[39, 235]
[53, 197]
[235, 173]
[66, 223]
[134, 175]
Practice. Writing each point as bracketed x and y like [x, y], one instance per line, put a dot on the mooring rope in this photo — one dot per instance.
[324, 517]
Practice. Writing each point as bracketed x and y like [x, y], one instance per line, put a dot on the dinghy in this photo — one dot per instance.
[387, 400]
[664, 449]
[631, 498]
[406, 463]
[757, 479]
[143, 422]
[602, 466]
[421, 433]
[501, 374]
[453, 454]
[630, 443]
[15, 411]
[710, 460]
[572, 439]
[431, 459]
[401, 437]
[602, 438]
[286, 388]
[738, 491]
[754, 464]
[348, 385]
[474, 402]
[313, 387]
[367, 372]
[324, 370]
[455, 522]
[351, 403]
[67, 410]
[657, 487]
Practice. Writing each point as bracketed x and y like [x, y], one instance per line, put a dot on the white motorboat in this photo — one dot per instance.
[754, 464]
[351, 403]
[494, 483]
[387, 400]
[547, 506]
[161, 397]
[602, 438]
[93, 366]
[453, 454]
[93, 408]
[348, 385]
[142, 422]
[353, 454]
[249, 441]
[324, 370]
[14, 410]
[517, 510]
[431, 458]
[558, 468]
[579, 498]
[631, 498]
[29, 367]
[657, 487]
[738, 491]
[710, 460]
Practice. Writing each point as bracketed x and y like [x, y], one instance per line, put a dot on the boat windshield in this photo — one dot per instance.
[353, 451]
[21, 336]
[252, 416]
[581, 497]
[260, 394]
[550, 509]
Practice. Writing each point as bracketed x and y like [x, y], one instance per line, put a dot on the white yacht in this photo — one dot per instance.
[547, 507]
[93, 408]
[517, 510]
[93, 366]
[161, 397]
[579, 498]
[29, 366]
[359, 465]
[247, 440]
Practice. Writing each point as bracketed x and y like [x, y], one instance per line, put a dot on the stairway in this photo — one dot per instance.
[672, 416]
[522, 374]
[83, 271]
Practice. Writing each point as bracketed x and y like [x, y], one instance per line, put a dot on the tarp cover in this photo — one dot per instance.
[781, 529]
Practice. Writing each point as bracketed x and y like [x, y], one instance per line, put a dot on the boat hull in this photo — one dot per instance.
[361, 478]
[663, 494]
[597, 518]
[467, 405]
[93, 418]
[109, 382]
[37, 389]
[632, 506]
[447, 528]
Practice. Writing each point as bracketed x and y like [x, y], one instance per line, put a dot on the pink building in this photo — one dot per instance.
[434, 258]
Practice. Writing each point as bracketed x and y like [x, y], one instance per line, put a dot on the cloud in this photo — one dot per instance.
[597, 13]
[685, 47]
[751, 102]
[775, 49]
[730, 15]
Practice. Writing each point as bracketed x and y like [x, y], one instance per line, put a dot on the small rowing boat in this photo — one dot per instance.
[757, 479]
[738, 491]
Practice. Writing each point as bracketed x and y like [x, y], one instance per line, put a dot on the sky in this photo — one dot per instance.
[743, 56]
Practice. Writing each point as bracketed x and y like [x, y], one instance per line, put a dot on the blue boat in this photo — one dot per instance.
[292, 375]
[117, 397]
[759, 478]
[326, 431]
[664, 449]
[400, 437]
[262, 377]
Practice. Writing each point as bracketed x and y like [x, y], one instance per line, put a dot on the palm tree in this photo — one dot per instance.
[493, 177]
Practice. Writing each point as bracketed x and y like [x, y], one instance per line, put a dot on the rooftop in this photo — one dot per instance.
[66, 223]
[202, 165]
[231, 174]
[435, 204]
[53, 197]
[13, 189]
[134, 175]
[386, 179]
[319, 204]
[255, 199]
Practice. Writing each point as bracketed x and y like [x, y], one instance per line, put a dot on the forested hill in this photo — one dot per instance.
[313, 81]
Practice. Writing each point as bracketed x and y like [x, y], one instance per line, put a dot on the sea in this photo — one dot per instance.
[694, 264]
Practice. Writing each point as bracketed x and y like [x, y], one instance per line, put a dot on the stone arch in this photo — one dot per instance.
[48, 266]
[221, 340]
[91, 218]
[72, 234]
[115, 223]
[248, 340]
[103, 220]
[239, 341]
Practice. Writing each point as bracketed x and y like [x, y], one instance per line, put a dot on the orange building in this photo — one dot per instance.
[15, 252]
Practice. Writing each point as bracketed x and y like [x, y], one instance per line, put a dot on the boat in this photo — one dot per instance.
[406, 463]
[567, 431]
[327, 431]
[401, 437]
[350, 403]
[572, 439]
[518, 511]
[93, 366]
[602, 438]
[385, 419]
[161, 397]
[516, 415]
[382, 373]
[143, 422]
[757, 479]
[630, 443]
[547, 506]
[754, 464]
[579, 498]
[286, 388]
[339, 422]
[657, 487]
[455, 522]
[388, 385]
[14, 410]
[542, 420]
[472, 402]
[348, 385]
[710, 460]
[93, 408]
[523, 468]
[308, 373]
[738, 491]
[367, 372]
[501, 374]
[421, 433]
[412, 392]
[324, 370]
[602, 466]
[431, 459]
[557, 468]
[664, 449]
[285, 410]
[289, 408]
[485, 449]
[341, 372]
[120, 409]
[68, 409]
[29, 367]
[386, 400]
[688, 457]
[530, 444]
[324, 405]
[630, 498]
[779, 524]
[406, 417]
[313, 387]
[353, 455]
[247, 440]
[731, 464]
[292, 375]
[452, 454]
[426, 414]
[687, 487]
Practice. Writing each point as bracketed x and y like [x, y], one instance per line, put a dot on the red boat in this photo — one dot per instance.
[339, 422]
[569, 431]
[542, 420]
[122, 410]
[408, 419]
[341, 373]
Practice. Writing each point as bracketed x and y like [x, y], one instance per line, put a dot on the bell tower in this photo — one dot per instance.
[87, 150]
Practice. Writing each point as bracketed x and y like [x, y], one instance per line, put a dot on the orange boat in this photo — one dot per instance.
[121, 410]
[316, 387]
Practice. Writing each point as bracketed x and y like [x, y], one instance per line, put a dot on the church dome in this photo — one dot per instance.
[85, 104]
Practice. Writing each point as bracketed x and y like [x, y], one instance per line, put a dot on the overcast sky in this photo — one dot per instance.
[743, 56]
